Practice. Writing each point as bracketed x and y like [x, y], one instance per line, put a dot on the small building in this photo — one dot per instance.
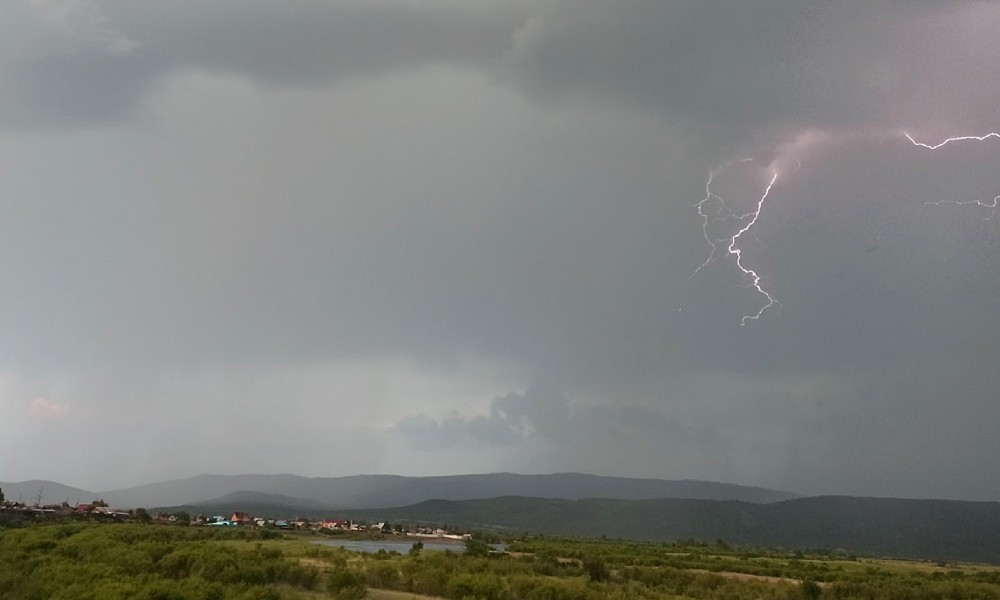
[222, 523]
[241, 518]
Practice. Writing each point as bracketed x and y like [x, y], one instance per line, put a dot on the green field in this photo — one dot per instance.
[80, 561]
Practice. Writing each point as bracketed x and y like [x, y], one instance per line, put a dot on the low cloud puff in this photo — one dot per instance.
[43, 408]
[543, 411]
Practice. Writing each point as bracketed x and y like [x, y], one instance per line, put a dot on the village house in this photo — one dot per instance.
[241, 518]
[335, 524]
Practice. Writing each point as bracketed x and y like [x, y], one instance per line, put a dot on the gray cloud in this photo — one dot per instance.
[203, 199]
[741, 72]
[88, 62]
[543, 412]
[732, 70]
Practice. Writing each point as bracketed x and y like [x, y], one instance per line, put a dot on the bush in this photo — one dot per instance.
[425, 579]
[811, 590]
[383, 575]
[476, 547]
[482, 587]
[596, 568]
[346, 585]
[261, 593]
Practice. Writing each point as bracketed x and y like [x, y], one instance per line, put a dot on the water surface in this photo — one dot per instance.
[401, 546]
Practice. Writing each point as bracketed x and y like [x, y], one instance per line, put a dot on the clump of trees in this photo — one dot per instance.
[110, 562]
[346, 585]
[476, 547]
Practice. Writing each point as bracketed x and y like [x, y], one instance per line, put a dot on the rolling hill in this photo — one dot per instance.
[928, 529]
[50, 491]
[585, 505]
[380, 491]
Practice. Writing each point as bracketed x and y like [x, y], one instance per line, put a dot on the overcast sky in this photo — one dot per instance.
[331, 237]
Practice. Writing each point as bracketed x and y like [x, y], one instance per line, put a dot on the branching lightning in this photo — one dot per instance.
[730, 243]
[735, 250]
[990, 204]
[707, 219]
[964, 138]
[712, 208]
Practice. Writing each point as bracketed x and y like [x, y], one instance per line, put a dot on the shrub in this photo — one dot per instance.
[596, 568]
[483, 587]
[476, 547]
[383, 575]
[346, 585]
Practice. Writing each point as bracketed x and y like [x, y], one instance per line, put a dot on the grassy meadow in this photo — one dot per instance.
[81, 561]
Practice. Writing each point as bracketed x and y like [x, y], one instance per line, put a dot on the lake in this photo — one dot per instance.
[401, 546]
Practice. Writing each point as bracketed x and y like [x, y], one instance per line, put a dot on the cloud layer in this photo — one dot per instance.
[368, 218]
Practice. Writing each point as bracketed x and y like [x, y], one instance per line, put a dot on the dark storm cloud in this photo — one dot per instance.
[543, 411]
[732, 66]
[749, 74]
[201, 196]
[88, 62]
[572, 265]
[543, 430]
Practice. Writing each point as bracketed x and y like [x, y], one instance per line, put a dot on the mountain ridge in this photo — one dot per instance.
[895, 527]
[380, 491]
[910, 528]
[52, 492]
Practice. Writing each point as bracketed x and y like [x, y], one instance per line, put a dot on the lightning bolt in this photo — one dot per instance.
[712, 208]
[730, 243]
[735, 250]
[707, 219]
[992, 204]
[964, 138]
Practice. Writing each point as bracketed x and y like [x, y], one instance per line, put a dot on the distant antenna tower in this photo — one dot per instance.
[38, 498]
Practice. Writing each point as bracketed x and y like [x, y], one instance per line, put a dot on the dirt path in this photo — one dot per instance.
[749, 577]
[377, 594]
